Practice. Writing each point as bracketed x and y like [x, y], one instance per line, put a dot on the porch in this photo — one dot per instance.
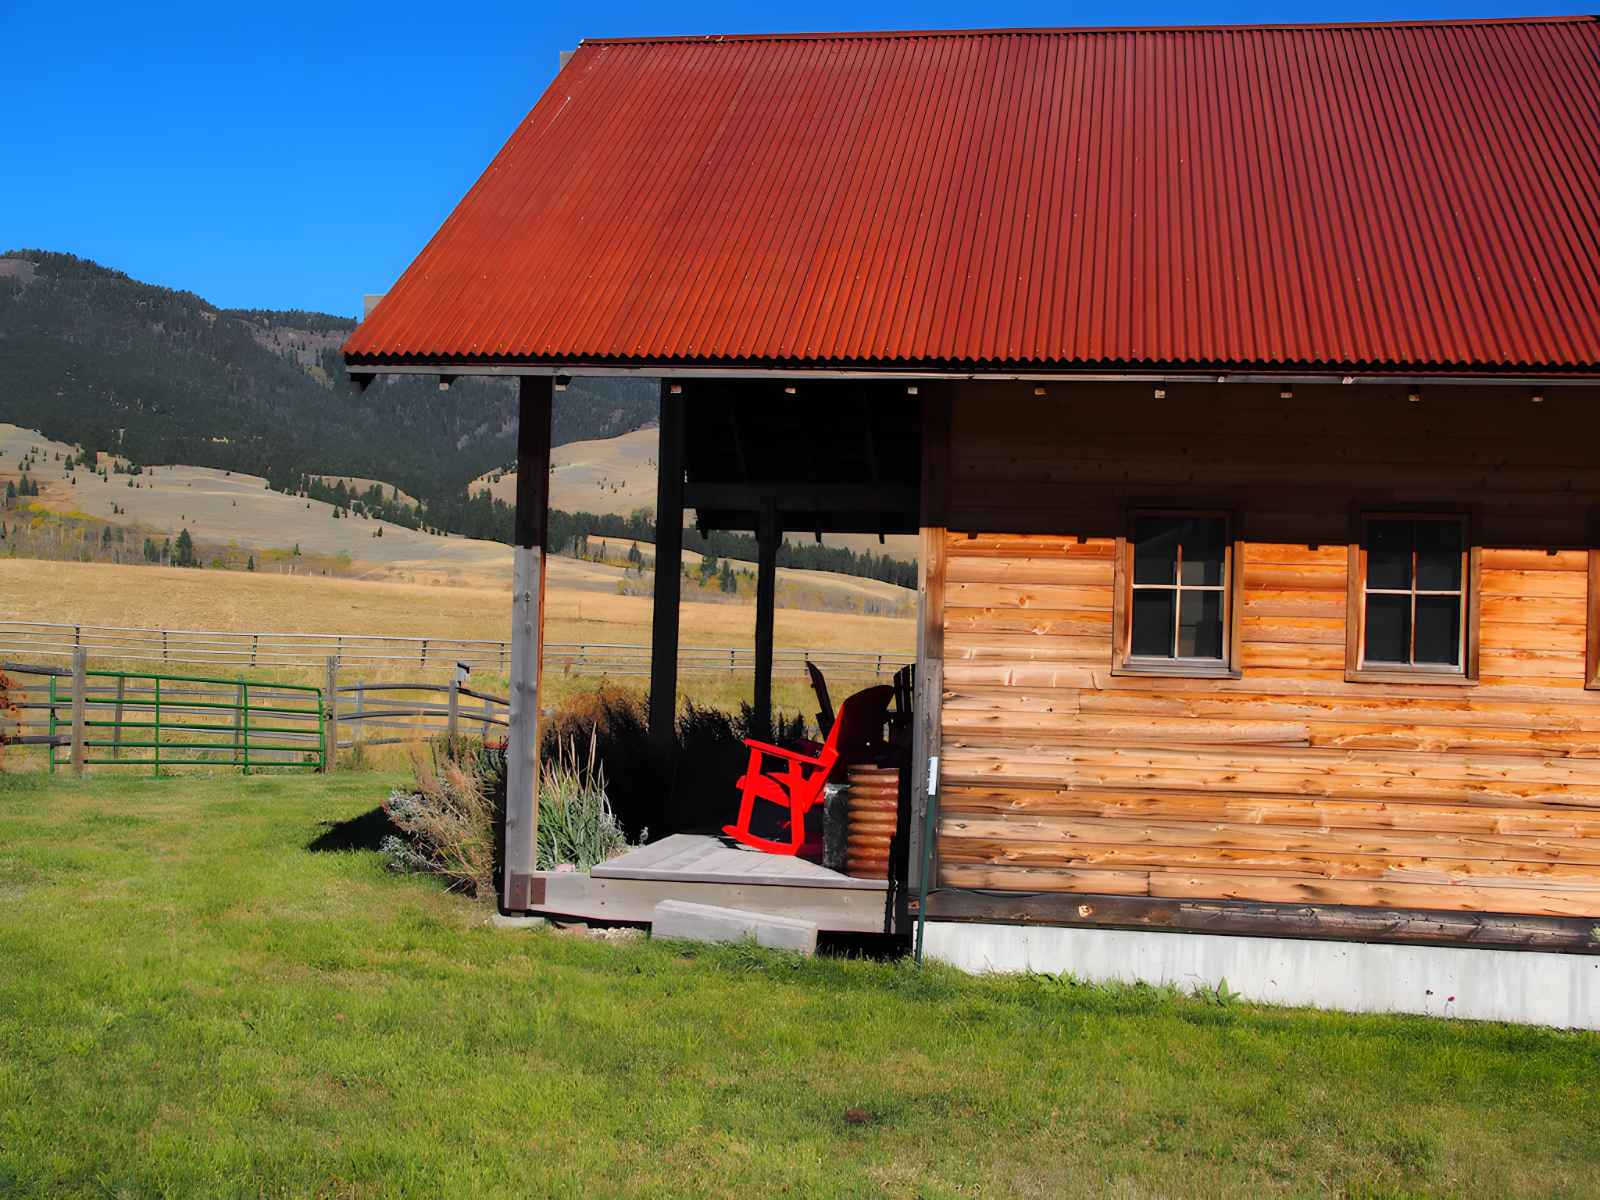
[706, 869]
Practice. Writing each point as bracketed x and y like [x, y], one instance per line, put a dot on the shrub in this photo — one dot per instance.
[452, 818]
[447, 822]
[8, 712]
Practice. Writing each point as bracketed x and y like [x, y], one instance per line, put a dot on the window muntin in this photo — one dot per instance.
[1178, 603]
[1415, 594]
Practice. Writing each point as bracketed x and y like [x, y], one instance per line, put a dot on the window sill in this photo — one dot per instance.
[1177, 669]
[1409, 676]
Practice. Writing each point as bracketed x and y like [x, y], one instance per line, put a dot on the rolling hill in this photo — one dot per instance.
[93, 357]
[617, 475]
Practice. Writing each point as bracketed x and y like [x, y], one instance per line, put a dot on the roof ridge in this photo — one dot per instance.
[1031, 31]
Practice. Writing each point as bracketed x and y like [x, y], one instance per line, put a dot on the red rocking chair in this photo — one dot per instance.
[857, 733]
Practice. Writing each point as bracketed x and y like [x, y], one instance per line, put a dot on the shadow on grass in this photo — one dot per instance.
[365, 832]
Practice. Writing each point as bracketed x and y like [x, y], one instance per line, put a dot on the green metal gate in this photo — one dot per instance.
[156, 721]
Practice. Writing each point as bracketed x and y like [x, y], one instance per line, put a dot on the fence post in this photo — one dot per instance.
[54, 724]
[241, 698]
[487, 713]
[116, 718]
[452, 723]
[79, 687]
[330, 757]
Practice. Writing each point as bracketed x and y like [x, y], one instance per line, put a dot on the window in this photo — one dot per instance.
[1411, 598]
[1176, 603]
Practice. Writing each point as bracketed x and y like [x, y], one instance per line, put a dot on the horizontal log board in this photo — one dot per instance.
[1290, 784]
[1253, 919]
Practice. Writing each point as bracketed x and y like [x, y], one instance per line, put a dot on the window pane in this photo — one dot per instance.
[1202, 551]
[1389, 629]
[1200, 625]
[1439, 630]
[1389, 554]
[1438, 560]
[1152, 623]
[1155, 549]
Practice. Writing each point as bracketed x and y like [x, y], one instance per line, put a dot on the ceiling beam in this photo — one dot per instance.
[803, 497]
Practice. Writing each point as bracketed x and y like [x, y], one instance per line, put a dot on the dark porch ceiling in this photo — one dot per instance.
[836, 456]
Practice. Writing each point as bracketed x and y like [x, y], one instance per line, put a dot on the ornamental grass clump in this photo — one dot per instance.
[450, 819]
[446, 822]
[576, 824]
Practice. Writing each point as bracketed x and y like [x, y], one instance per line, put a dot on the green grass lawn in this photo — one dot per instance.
[194, 1004]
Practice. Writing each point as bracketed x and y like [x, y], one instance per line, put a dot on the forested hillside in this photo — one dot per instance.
[88, 355]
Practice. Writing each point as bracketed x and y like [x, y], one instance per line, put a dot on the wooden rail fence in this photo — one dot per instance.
[30, 640]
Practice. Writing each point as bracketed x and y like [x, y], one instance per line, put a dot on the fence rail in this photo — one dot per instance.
[163, 721]
[221, 648]
[386, 714]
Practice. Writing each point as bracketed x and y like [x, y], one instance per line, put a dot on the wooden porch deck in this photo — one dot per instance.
[708, 870]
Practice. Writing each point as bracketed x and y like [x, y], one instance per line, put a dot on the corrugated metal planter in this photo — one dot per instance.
[874, 807]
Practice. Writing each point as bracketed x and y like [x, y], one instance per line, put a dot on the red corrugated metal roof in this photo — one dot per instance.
[1416, 196]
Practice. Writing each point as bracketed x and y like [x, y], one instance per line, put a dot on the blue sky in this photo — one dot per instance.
[301, 154]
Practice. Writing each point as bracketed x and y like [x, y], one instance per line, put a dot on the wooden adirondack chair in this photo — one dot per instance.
[819, 685]
[797, 785]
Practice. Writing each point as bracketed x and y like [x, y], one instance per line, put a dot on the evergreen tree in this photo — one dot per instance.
[183, 551]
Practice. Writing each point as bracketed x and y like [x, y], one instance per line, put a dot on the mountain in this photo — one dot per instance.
[91, 356]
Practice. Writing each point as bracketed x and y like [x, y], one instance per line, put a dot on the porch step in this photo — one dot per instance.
[711, 923]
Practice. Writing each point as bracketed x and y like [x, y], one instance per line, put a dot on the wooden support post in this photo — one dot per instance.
[669, 575]
[116, 717]
[521, 890]
[330, 754]
[453, 720]
[928, 703]
[238, 721]
[768, 535]
[80, 681]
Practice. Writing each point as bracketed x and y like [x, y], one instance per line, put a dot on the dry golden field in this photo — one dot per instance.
[405, 583]
[171, 597]
[175, 598]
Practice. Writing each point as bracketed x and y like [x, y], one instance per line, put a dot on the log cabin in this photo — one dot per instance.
[1243, 386]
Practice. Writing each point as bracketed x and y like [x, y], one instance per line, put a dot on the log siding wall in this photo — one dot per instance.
[1291, 783]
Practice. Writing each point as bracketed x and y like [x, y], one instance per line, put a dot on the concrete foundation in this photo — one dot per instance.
[1530, 988]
